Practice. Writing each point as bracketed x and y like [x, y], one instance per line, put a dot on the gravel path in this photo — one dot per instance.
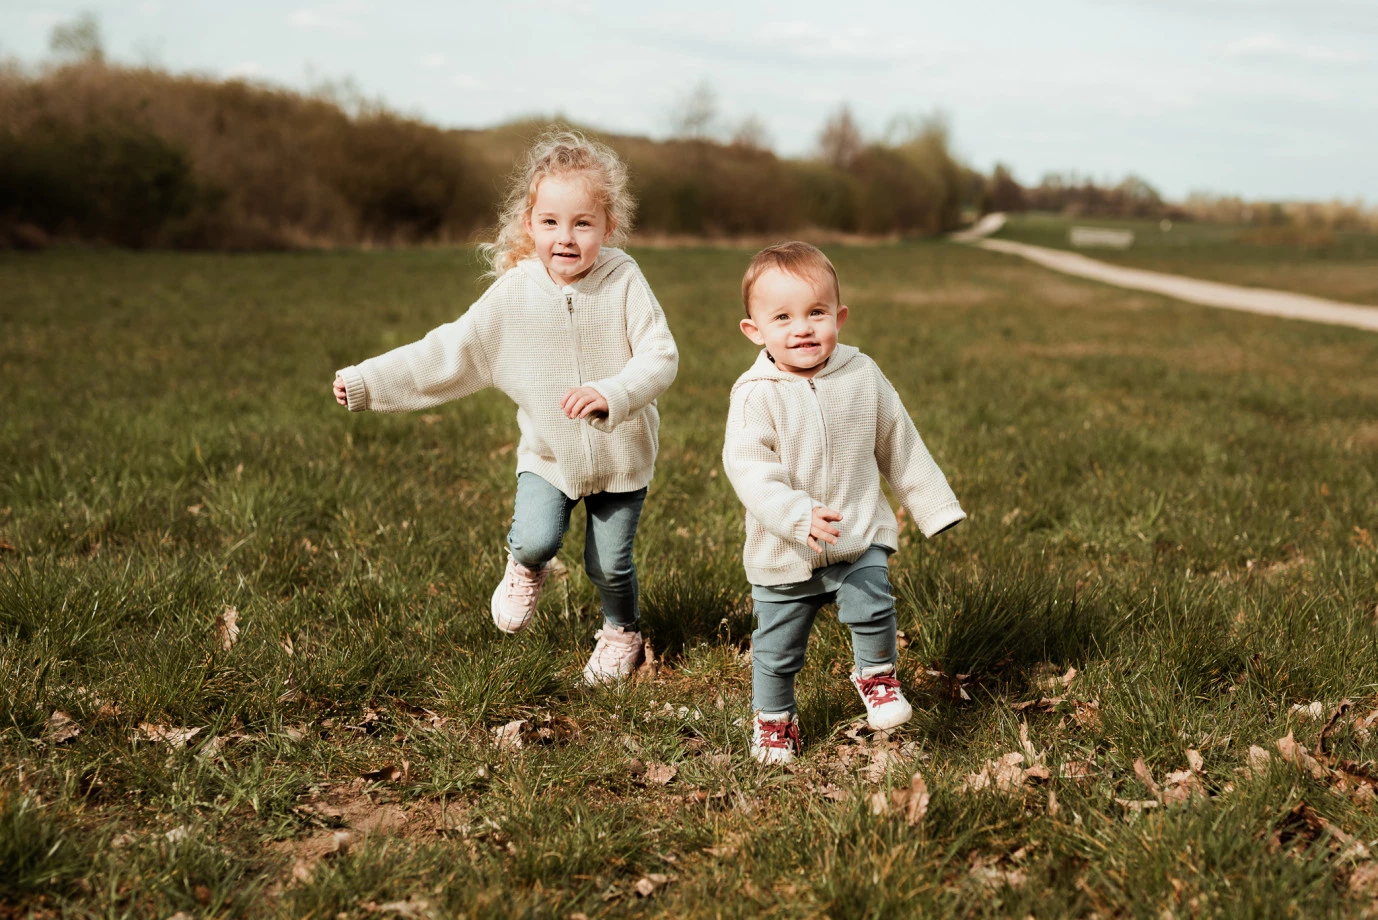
[1209, 293]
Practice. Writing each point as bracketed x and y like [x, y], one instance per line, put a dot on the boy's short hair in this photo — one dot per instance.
[801, 260]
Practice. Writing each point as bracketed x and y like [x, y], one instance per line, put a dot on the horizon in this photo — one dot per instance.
[1263, 99]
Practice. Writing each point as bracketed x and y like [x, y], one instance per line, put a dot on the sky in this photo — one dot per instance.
[1269, 99]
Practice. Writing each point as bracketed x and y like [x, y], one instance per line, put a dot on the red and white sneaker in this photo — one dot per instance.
[775, 737]
[618, 653]
[886, 706]
[514, 600]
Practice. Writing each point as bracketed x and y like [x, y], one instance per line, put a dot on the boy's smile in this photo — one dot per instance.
[568, 226]
[796, 319]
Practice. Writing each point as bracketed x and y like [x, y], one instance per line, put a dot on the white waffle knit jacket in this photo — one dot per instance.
[534, 341]
[793, 445]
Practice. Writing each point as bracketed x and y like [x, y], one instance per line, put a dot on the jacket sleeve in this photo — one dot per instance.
[447, 364]
[752, 461]
[653, 364]
[906, 464]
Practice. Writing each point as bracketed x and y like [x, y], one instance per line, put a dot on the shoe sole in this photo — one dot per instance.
[498, 616]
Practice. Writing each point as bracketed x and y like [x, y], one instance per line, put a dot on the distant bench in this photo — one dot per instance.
[1100, 238]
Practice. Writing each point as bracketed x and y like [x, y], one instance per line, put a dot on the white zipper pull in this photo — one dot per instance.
[569, 301]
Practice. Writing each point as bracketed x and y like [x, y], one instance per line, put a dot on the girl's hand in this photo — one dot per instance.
[341, 395]
[821, 528]
[581, 402]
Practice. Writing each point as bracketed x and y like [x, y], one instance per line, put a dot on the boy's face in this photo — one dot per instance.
[796, 319]
[568, 226]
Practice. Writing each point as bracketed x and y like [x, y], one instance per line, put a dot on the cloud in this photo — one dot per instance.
[1270, 46]
[435, 62]
[323, 20]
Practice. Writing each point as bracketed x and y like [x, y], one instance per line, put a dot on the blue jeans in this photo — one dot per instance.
[864, 604]
[539, 524]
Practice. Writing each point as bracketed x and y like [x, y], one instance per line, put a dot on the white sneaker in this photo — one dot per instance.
[886, 706]
[514, 600]
[618, 653]
[775, 737]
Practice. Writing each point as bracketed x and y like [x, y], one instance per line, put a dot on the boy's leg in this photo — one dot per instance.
[777, 651]
[612, 520]
[540, 518]
[866, 606]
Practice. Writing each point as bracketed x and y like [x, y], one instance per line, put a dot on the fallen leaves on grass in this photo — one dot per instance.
[1308, 711]
[227, 627]
[1258, 759]
[1058, 682]
[648, 884]
[1298, 756]
[386, 774]
[60, 727]
[413, 906]
[953, 686]
[165, 734]
[912, 802]
[992, 875]
[1303, 825]
[660, 773]
[1179, 786]
[649, 669]
[1003, 774]
[509, 737]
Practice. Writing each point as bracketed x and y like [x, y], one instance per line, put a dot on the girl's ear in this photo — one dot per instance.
[612, 228]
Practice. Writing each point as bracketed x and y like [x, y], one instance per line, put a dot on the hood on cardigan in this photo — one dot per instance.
[765, 369]
[609, 259]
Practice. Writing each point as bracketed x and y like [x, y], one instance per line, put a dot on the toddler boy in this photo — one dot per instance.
[812, 427]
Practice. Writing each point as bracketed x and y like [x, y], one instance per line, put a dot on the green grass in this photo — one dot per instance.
[1177, 502]
[1336, 265]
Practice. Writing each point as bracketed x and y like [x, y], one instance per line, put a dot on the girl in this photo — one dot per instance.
[572, 333]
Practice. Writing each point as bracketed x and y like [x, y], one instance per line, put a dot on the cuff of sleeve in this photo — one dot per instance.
[803, 525]
[942, 519]
[617, 405]
[355, 391]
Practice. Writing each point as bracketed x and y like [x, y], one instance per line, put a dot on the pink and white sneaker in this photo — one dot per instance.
[886, 706]
[514, 600]
[618, 653]
[775, 737]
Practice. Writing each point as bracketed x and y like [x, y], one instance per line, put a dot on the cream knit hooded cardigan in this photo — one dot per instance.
[794, 444]
[534, 340]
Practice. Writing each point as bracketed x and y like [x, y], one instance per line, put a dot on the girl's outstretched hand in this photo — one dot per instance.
[820, 528]
[581, 402]
[341, 396]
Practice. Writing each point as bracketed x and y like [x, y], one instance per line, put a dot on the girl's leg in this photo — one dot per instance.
[777, 651]
[540, 518]
[865, 604]
[612, 518]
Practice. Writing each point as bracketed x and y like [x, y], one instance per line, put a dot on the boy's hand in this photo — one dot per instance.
[581, 402]
[341, 395]
[821, 528]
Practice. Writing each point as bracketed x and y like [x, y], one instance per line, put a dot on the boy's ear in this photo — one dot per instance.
[841, 315]
[750, 330]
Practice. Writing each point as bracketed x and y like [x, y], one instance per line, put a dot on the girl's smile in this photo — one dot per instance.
[568, 225]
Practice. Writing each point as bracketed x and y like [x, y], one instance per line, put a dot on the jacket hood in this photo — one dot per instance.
[609, 259]
[765, 369]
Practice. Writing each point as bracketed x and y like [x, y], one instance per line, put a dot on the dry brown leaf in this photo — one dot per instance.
[1181, 786]
[172, 737]
[1052, 804]
[1079, 770]
[509, 737]
[661, 773]
[387, 774]
[1364, 880]
[995, 877]
[882, 759]
[1059, 682]
[647, 884]
[1258, 759]
[60, 727]
[1027, 746]
[1145, 776]
[1332, 724]
[227, 627]
[1308, 712]
[1042, 704]
[1139, 804]
[1195, 761]
[917, 805]
[1086, 713]
[414, 906]
[1298, 756]
[1003, 774]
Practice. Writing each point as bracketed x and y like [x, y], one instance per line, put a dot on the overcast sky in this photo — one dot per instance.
[1264, 98]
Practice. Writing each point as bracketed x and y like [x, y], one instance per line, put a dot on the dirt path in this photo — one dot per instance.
[1208, 293]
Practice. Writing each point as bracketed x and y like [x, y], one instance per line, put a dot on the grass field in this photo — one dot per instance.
[1337, 265]
[1177, 503]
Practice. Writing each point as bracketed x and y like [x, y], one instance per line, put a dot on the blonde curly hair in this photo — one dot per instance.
[560, 153]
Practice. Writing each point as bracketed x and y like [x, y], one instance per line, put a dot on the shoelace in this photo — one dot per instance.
[779, 734]
[524, 587]
[612, 645]
[881, 689]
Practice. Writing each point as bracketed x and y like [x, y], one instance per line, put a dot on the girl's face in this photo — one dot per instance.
[568, 226]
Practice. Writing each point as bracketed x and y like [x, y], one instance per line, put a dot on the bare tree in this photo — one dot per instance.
[840, 141]
[79, 39]
[751, 133]
[695, 117]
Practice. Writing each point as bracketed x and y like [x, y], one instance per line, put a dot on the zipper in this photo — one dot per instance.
[827, 459]
[579, 376]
